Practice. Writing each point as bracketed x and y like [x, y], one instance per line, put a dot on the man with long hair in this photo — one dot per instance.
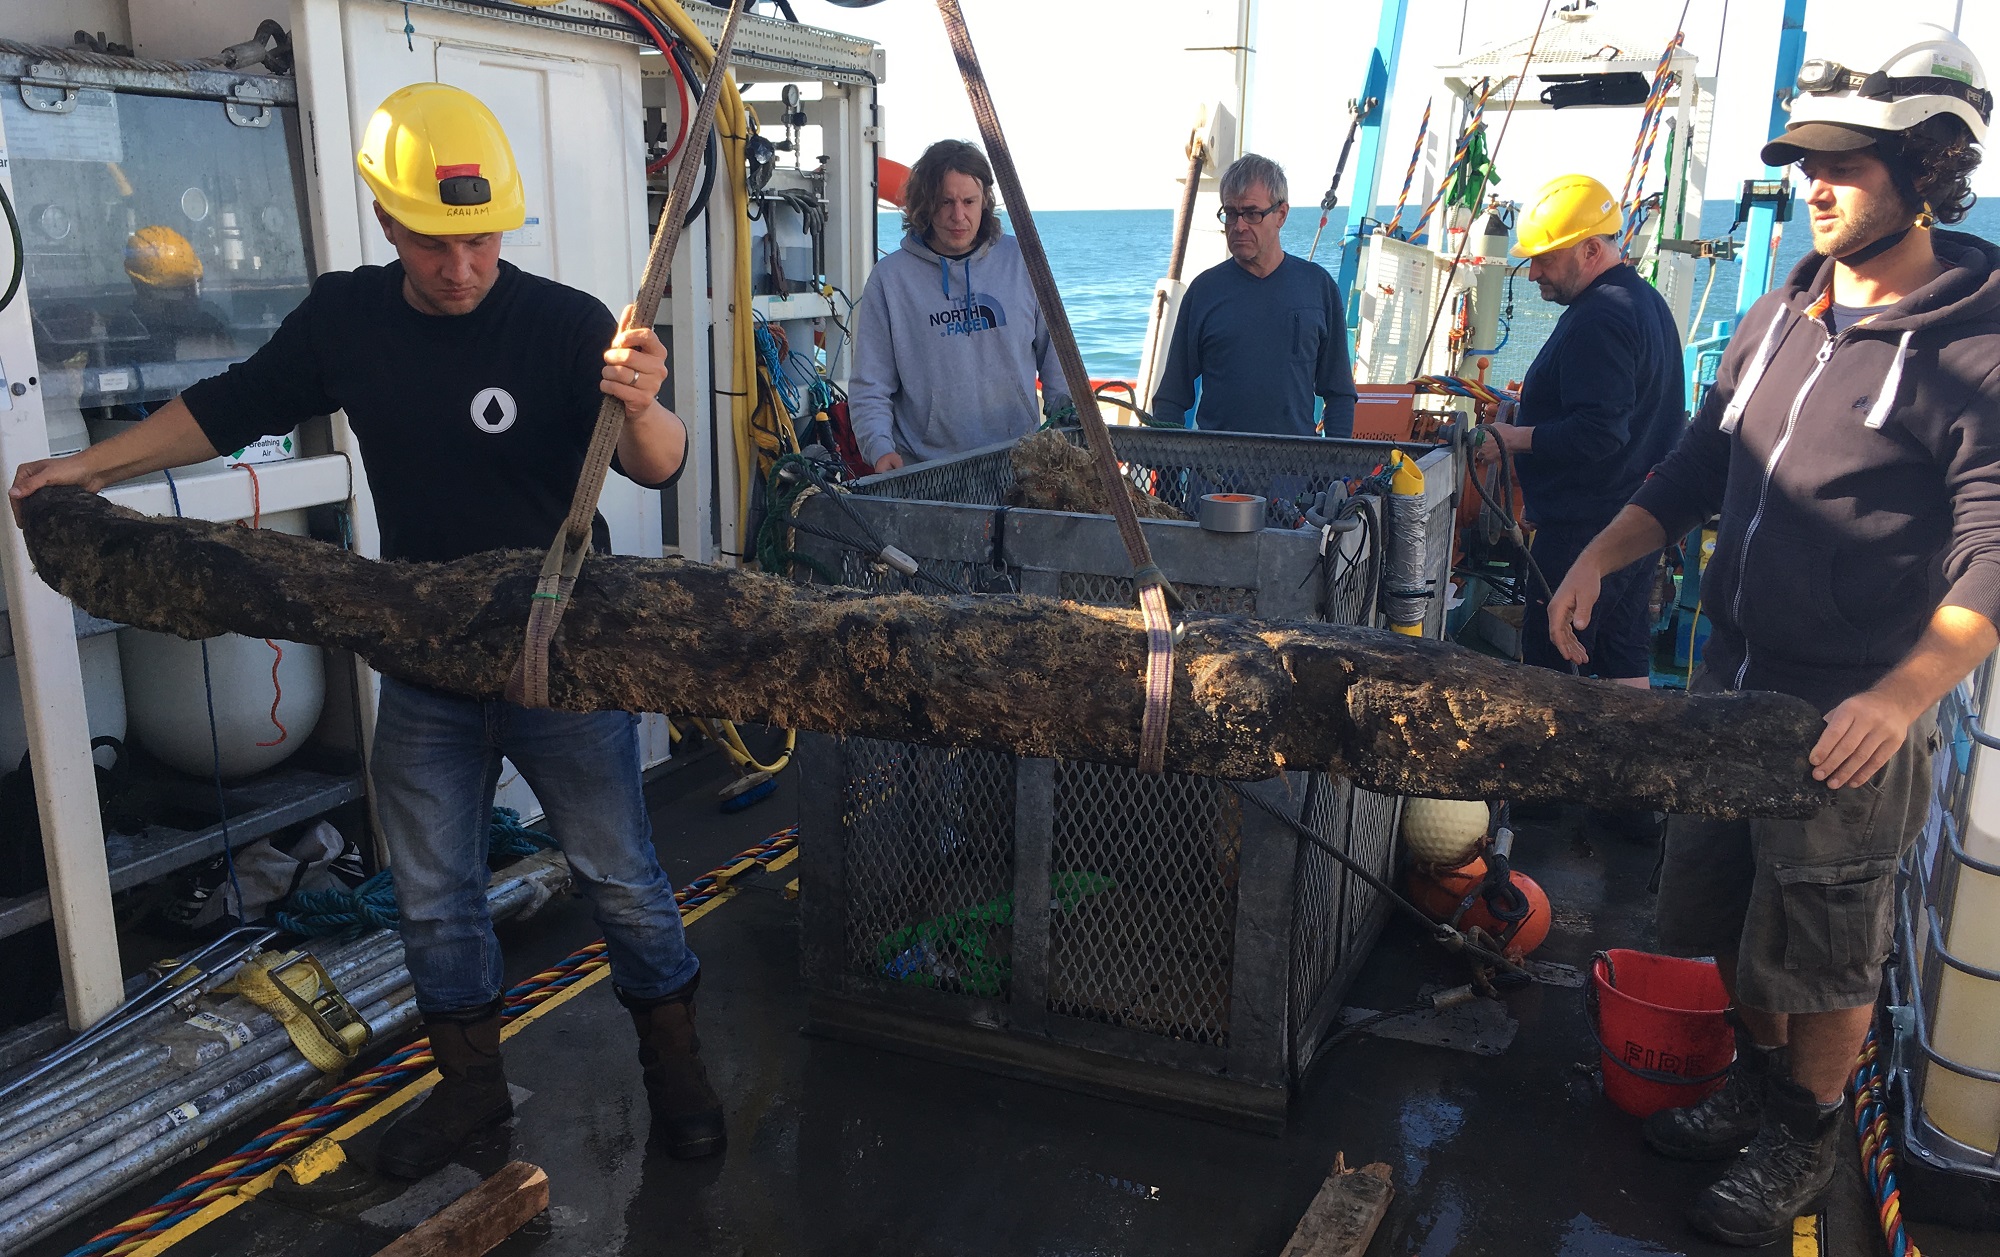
[949, 338]
[1852, 447]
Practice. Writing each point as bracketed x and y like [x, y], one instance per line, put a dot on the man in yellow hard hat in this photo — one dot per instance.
[1601, 404]
[474, 388]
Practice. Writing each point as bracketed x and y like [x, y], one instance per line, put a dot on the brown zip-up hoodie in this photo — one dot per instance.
[1857, 476]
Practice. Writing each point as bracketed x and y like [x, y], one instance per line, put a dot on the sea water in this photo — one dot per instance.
[1107, 261]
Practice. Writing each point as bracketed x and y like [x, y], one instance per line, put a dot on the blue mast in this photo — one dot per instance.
[1757, 250]
[1375, 87]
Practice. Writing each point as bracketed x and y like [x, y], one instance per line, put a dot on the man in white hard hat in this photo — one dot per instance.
[1852, 447]
[474, 387]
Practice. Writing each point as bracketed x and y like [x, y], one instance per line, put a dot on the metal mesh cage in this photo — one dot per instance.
[930, 851]
[1143, 879]
[1120, 591]
[1079, 910]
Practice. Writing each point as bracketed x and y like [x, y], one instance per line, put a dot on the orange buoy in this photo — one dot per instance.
[892, 179]
[1439, 891]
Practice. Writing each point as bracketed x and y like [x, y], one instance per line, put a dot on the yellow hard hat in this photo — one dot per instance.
[1568, 210]
[439, 163]
[160, 257]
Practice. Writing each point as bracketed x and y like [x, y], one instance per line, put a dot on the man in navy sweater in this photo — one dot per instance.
[1601, 404]
[1264, 332]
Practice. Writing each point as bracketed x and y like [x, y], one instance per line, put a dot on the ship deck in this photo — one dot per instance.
[837, 1149]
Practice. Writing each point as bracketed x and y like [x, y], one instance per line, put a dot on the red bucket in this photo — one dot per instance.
[1660, 1029]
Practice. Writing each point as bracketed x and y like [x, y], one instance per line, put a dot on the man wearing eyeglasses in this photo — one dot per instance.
[1262, 334]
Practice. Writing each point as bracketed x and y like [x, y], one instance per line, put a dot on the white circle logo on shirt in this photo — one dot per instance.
[493, 410]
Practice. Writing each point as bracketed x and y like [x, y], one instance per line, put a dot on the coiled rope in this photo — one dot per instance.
[1878, 1147]
[395, 1072]
[372, 904]
[1459, 386]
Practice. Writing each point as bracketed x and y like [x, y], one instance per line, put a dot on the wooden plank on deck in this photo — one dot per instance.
[477, 1221]
[1343, 1217]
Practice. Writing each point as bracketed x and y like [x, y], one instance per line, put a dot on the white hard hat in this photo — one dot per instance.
[1930, 73]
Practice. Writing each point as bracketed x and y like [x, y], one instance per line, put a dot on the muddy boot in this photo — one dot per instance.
[1783, 1174]
[687, 1114]
[1721, 1124]
[471, 1097]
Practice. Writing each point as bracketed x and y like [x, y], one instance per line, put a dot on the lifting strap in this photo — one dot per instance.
[296, 990]
[529, 684]
[1153, 590]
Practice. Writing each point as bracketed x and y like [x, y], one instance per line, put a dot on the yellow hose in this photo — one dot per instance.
[724, 735]
[732, 128]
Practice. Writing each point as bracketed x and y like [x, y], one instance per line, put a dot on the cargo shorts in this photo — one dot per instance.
[1807, 907]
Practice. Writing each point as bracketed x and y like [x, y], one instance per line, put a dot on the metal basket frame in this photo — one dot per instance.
[1146, 937]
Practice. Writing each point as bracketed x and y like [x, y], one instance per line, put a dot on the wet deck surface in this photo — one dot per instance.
[841, 1150]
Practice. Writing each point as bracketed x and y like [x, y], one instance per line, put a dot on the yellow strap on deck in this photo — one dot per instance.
[295, 989]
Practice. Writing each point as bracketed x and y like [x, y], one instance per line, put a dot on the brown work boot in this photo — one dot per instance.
[687, 1114]
[470, 1098]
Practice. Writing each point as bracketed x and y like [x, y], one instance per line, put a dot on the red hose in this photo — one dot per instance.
[653, 33]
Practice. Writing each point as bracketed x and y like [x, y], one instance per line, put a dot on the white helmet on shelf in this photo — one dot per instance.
[1931, 73]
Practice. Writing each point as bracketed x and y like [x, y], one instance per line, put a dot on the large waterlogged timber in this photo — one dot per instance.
[1012, 673]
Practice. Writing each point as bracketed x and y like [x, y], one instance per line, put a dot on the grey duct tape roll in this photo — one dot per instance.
[1232, 512]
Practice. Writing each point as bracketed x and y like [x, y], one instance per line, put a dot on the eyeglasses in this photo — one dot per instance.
[1230, 213]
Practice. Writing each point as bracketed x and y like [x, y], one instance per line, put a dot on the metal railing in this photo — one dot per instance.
[1945, 982]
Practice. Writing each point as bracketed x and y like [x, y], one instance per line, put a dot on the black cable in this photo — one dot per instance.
[20, 253]
[1144, 417]
[1369, 1023]
[1450, 938]
[711, 154]
[873, 546]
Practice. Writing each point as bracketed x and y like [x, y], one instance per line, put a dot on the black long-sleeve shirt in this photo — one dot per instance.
[473, 427]
[1262, 349]
[1606, 398]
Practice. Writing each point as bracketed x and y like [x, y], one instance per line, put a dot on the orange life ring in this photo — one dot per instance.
[892, 181]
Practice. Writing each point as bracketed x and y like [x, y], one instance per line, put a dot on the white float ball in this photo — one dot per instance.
[167, 704]
[1443, 831]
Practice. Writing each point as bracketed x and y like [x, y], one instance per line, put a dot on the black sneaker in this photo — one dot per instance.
[197, 901]
[1721, 1124]
[1783, 1174]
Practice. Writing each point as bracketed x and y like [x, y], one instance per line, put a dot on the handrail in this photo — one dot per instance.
[1921, 1025]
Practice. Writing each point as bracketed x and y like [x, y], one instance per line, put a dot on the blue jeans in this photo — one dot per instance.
[436, 763]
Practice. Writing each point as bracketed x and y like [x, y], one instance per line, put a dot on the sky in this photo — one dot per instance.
[1097, 97]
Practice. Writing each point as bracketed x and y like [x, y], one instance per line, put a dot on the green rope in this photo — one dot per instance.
[955, 949]
[774, 534]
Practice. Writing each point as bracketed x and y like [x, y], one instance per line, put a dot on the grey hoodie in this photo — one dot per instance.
[1857, 476]
[946, 352]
